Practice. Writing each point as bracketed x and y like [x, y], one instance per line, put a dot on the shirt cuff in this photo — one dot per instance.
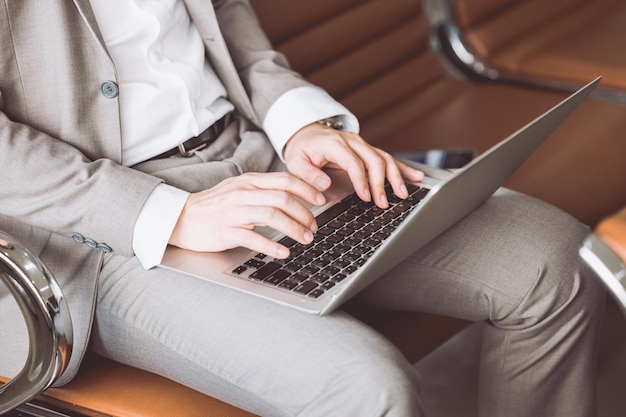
[156, 222]
[300, 107]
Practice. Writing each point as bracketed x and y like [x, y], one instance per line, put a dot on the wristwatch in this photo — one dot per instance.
[335, 122]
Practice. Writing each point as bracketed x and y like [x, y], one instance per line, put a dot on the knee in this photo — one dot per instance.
[381, 384]
[565, 283]
[554, 281]
[560, 284]
[567, 291]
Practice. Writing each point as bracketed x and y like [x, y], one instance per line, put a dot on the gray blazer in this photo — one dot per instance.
[60, 144]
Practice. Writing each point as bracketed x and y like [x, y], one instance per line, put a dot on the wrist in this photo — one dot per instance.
[335, 122]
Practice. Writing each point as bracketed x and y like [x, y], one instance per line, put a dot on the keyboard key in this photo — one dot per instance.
[331, 270]
[298, 278]
[288, 284]
[309, 270]
[320, 278]
[317, 293]
[339, 277]
[331, 213]
[239, 270]
[265, 271]
[254, 263]
[306, 287]
[277, 277]
[350, 269]
[287, 241]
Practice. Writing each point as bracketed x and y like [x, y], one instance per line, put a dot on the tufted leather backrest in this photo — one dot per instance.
[372, 55]
[557, 40]
[494, 24]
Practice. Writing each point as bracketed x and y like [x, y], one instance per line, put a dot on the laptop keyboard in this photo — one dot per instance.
[349, 233]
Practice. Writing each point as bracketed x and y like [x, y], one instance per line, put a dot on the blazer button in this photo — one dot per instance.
[109, 89]
[91, 243]
[104, 248]
[78, 237]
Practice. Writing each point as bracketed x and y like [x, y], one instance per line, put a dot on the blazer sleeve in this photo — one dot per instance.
[50, 184]
[283, 100]
[264, 72]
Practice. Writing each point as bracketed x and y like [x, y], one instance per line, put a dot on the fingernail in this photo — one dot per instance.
[308, 236]
[367, 194]
[322, 183]
[282, 253]
[383, 199]
[320, 199]
[404, 190]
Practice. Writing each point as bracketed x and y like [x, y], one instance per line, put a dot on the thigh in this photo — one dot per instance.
[263, 357]
[485, 265]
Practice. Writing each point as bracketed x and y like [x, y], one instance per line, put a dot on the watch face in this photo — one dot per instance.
[332, 122]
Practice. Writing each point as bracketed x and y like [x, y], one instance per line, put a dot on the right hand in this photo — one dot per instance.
[224, 217]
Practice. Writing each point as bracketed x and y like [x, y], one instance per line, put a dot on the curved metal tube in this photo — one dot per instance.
[47, 318]
[447, 40]
[459, 58]
[608, 266]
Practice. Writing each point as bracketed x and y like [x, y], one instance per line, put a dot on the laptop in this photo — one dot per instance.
[358, 242]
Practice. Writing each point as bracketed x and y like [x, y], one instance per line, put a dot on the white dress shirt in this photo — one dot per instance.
[159, 58]
[169, 93]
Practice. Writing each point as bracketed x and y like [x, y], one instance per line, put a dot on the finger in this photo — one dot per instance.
[378, 171]
[285, 181]
[376, 163]
[283, 202]
[333, 151]
[310, 172]
[408, 172]
[394, 171]
[395, 175]
[346, 158]
[280, 221]
[259, 243]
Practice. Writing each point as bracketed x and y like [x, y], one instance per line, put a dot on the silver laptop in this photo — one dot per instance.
[358, 242]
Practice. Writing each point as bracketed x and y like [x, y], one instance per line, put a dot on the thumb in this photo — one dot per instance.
[310, 173]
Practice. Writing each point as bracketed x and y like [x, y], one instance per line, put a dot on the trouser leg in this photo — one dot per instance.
[263, 357]
[512, 263]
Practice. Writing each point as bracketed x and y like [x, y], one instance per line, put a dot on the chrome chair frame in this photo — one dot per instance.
[461, 60]
[447, 41]
[48, 322]
[608, 267]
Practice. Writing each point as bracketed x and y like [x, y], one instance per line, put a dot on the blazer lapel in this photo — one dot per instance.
[86, 12]
[203, 15]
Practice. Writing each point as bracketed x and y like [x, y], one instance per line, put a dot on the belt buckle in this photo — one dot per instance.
[212, 132]
[185, 153]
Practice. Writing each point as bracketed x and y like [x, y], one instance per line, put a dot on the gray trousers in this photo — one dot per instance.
[512, 264]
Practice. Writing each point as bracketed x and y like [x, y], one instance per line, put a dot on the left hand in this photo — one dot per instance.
[316, 146]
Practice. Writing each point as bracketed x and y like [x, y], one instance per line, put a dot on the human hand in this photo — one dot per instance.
[225, 215]
[316, 146]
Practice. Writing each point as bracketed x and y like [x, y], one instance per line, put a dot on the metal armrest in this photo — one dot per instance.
[448, 41]
[47, 318]
[605, 252]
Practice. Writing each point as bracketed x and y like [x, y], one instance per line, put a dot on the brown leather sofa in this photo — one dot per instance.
[376, 57]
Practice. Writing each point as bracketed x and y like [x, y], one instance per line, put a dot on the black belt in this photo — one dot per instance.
[204, 139]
